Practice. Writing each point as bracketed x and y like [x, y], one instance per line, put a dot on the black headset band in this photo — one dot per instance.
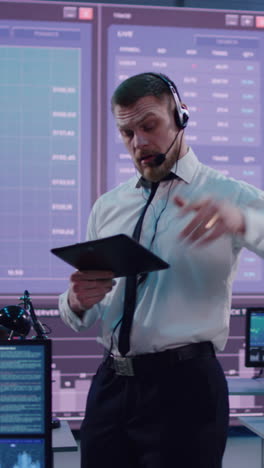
[181, 114]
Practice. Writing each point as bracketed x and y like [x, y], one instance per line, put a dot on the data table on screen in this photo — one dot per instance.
[218, 80]
[219, 75]
[35, 185]
[46, 140]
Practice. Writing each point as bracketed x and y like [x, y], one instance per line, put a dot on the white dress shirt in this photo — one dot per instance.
[190, 301]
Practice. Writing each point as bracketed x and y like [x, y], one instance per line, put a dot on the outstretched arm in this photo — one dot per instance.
[211, 220]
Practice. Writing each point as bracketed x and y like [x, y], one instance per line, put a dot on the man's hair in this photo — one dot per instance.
[141, 85]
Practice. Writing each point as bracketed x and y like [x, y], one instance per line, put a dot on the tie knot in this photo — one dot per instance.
[170, 176]
[148, 184]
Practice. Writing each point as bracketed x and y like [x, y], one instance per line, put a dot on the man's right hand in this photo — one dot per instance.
[88, 288]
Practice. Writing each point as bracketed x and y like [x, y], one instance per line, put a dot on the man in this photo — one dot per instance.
[167, 404]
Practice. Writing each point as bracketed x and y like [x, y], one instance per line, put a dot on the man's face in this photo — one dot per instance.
[148, 128]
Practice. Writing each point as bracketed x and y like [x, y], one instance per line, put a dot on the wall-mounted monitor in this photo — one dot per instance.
[48, 139]
[216, 60]
[60, 149]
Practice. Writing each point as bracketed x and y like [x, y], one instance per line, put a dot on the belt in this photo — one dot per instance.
[153, 362]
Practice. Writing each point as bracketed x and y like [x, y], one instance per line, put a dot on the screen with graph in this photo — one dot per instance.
[60, 149]
[255, 337]
[20, 453]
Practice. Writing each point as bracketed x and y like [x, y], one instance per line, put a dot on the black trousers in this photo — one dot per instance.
[171, 418]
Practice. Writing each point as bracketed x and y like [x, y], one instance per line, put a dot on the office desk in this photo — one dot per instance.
[237, 386]
[256, 425]
[62, 439]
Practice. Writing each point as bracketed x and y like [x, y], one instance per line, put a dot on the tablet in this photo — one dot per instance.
[120, 254]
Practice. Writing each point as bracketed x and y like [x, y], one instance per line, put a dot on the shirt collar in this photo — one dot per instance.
[186, 168]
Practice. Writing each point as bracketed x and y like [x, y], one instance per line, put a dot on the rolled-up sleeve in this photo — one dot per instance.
[253, 210]
[91, 315]
[70, 318]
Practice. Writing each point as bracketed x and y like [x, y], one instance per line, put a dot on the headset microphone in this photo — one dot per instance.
[160, 158]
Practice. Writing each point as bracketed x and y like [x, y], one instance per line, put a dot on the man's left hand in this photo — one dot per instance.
[212, 219]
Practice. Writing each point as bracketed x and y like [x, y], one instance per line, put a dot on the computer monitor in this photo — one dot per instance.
[254, 337]
[25, 403]
[22, 452]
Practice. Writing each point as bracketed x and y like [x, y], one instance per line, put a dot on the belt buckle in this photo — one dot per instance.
[123, 366]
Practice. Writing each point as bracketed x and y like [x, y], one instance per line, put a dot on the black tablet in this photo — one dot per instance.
[120, 254]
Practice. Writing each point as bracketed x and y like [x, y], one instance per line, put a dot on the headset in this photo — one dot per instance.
[181, 113]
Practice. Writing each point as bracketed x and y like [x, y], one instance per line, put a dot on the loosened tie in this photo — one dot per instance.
[131, 286]
[131, 281]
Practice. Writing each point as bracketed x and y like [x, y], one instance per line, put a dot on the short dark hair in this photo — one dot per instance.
[141, 85]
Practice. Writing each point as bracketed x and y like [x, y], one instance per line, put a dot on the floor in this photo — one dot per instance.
[243, 451]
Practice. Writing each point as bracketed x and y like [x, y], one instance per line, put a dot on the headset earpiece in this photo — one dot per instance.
[181, 113]
[181, 117]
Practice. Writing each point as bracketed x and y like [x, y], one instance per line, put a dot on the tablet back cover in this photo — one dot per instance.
[120, 254]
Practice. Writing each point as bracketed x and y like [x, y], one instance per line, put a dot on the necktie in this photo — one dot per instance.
[131, 281]
[131, 285]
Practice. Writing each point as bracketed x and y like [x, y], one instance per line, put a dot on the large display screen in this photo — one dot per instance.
[47, 140]
[60, 63]
[218, 66]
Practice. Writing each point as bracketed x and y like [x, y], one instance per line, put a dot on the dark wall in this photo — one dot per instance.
[253, 5]
[257, 5]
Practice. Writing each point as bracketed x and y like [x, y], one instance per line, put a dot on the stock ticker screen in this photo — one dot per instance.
[47, 140]
[60, 62]
[218, 70]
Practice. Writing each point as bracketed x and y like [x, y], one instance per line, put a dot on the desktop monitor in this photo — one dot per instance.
[25, 403]
[255, 337]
